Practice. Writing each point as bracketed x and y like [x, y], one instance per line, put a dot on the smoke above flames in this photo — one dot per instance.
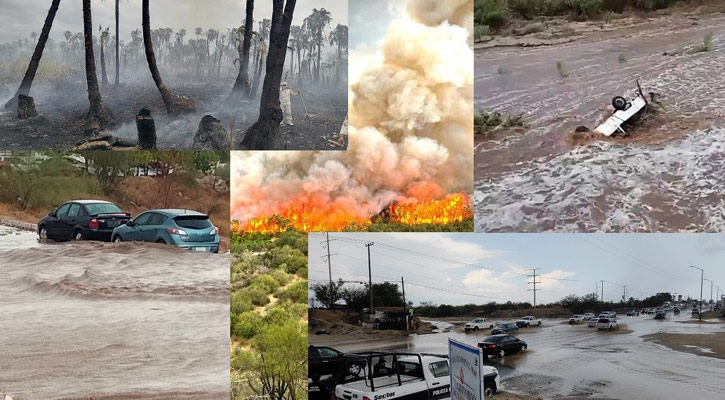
[410, 129]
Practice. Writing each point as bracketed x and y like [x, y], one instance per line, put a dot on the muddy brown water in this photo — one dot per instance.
[576, 361]
[108, 321]
[667, 177]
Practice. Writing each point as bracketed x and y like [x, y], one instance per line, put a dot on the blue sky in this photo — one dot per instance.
[20, 17]
[369, 20]
[460, 268]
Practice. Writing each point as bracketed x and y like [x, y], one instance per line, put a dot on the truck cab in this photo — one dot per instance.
[397, 375]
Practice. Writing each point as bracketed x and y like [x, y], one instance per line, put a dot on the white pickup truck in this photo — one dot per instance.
[478, 323]
[528, 321]
[417, 376]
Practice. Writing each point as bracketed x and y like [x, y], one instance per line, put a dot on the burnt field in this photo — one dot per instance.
[62, 110]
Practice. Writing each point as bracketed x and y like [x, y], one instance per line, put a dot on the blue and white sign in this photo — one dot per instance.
[466, 371]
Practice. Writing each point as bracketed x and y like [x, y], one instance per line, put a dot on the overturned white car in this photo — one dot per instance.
[624, 111]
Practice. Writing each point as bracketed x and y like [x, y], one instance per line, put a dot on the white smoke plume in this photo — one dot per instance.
[410, 128]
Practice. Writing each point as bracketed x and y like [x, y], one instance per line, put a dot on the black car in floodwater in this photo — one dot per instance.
[500, 345]
[504, 327]
[323, 360]
[82, 220]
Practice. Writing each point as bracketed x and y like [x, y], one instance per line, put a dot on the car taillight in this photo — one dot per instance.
[366, 398]
[93, 224]
[175, 231]
[493, 346]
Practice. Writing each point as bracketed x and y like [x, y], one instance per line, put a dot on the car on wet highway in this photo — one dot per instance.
[607, 324]
[592, 322]
[576, 318]
[82, 220]
[324, 360]
[504, 327]
[478, 323]
[501, 345]
[182, 228]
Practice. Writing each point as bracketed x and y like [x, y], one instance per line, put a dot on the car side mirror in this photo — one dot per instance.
[130, 223]
[51, 214]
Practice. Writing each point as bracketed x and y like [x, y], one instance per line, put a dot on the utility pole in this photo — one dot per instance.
[329, 267]
[602, 291]
[624, 294]
[405, 305]
[370, 277]
[710, 290]
[702, 275]
[534, 282]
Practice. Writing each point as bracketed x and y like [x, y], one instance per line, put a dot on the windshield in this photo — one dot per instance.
[193, 222]
[102, 208]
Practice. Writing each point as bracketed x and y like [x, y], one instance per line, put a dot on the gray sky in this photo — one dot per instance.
[18, 18]
[461, 268]
[370, 20]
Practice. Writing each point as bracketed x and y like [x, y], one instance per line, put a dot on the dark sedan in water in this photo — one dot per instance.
[82, 220]
[500, 345]
[182, 228]
[505, 327]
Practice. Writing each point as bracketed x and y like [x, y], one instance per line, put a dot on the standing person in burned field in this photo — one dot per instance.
[284, 99]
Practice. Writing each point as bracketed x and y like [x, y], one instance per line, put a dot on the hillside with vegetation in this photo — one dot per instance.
[269, 315]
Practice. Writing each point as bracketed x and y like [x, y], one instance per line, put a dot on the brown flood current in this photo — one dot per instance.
[666, 177]
[111, 321]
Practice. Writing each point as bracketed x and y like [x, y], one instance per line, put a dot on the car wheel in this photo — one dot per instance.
[354, 369]
[501, 353]
[523, 347]
[475, 328]
[539, 324]
[619, 103]
[117, 239]
[161, 241]
[43, 232]
[610, 328]
[489, 390]
[78, 235]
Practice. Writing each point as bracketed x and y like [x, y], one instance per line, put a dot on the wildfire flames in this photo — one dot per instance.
[304, 217]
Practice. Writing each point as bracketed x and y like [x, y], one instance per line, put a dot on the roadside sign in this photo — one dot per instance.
[466, 371]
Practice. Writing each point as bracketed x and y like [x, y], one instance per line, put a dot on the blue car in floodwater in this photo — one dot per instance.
[183, 228]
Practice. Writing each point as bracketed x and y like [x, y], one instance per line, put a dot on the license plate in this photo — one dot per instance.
[199, 249]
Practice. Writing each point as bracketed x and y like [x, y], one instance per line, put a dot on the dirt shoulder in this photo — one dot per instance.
[553, 30]
[708, 345]
[344, 330]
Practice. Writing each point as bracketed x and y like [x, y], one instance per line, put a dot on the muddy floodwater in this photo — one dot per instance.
[665, 177]
[580, 362]
[111, 321]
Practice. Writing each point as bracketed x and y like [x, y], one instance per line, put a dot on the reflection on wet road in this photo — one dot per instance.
[111, 321]
[565, 360]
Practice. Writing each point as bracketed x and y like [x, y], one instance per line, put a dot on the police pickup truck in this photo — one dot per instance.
[407, 376]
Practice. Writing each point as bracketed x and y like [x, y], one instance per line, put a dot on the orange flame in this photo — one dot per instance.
[452, 208]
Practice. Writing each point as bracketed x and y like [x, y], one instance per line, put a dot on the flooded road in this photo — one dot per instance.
[577, 361]
[665, 177]
[111, 321]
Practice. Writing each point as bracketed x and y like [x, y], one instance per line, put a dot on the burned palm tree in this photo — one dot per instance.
[98, 116]
[241, 85]
[264, 134]
[338, 37]
[35, 59]
[317, 21]
[148, 46]
[105, 33]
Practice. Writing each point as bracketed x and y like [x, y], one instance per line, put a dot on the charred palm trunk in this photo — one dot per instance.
[264, 134]
[148, 46]
[35, 59]
[104, 77]
[257, 76]
[241, 85]
[98, 115]
[115, 83]
[319, 55]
